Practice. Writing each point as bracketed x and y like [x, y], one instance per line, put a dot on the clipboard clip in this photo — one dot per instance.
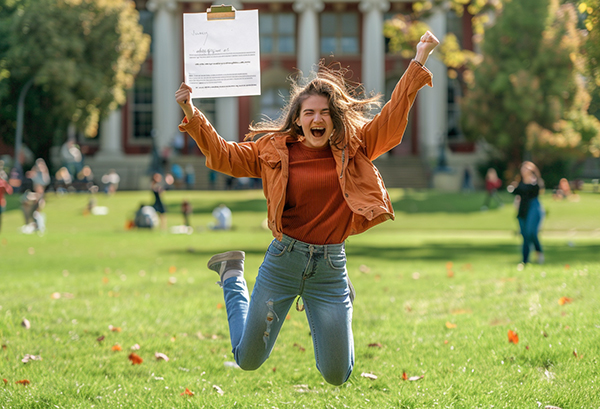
[221, 12]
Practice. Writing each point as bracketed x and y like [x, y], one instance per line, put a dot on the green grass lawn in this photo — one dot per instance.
[438, 290]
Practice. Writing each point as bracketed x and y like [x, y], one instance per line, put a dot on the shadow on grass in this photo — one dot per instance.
[443, 252]
[558, 254]
[433, 202]
[254, 205]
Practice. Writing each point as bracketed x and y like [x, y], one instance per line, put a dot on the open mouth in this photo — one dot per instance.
[318, 132]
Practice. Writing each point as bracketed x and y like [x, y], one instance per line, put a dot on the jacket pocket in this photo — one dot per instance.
[270, 159]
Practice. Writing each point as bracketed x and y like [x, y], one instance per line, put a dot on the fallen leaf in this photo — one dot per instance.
[564, 300]
[408, 308]
[527, 347]
[172, 270]
[100, 338]
[172, 280]
[25, 323]
[219, 306]
[117, 347]
[544, 334]
[105, 280]
[135, 359]
[551, 407]
[460, 311]
[218, 390]
[364, 269]
[301, 388]
[404, 376]
[135, 347]
[114, 329]
[450, 274]
[160, 355]
[5, 380]
[4, 346]
[567, 266]
[513, 337]
[188, 392]
[449, 265]
[55, 296]
[300, 347]
[450, 325]
[368, 375]
[445, 341]
[375, 345]
[274, 369]
[415, 378]
[23, 382]
[29, 357]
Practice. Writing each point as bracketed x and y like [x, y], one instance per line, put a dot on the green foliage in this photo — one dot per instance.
[527, 96]
[82, 55]
[87, 273]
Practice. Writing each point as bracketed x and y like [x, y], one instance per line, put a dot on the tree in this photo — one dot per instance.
[82, 56]
[526, 92]
[528, 98]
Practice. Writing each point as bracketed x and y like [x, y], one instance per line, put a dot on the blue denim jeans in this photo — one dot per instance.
[291, 268]
[530, 226]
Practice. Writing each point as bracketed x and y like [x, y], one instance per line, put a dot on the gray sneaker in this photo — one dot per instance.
[223, 262]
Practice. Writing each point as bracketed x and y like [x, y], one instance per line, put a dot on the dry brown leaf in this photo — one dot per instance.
[375, 345]
[564, 300]
[364, 269]
[114, 329]
[450, 325]
[188, 392]
[300, 347]
[513, 337]
[23, 382]
[135, 359]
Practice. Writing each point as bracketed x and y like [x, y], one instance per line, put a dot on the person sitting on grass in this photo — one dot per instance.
[321, 187]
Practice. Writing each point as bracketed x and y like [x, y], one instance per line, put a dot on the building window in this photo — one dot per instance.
[142, 107]
[454, 94]
[142, 89]
[271, 102]
[277, 33]
[207, 106]
[339, 33]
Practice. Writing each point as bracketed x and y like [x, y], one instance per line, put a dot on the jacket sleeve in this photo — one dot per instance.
[387, 128]
[232, 158]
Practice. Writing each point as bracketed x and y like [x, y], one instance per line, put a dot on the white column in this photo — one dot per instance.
[166, 73]
[111, 136]
[308, 34]
[373, 51]
[433, 102]
[226, 118]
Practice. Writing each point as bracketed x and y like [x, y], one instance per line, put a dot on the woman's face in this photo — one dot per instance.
[527, 175]
[315, 121]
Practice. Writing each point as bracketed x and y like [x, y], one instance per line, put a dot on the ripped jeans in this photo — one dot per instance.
[292, 268]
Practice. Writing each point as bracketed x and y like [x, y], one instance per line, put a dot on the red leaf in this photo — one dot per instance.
[375, 345]
[100, 338]
[5, 380]
[135, 359]
[404, 376]
[300, 347]
[23, 382]
[188, 392]
[117, 347]
[513, 337]
[564, 300]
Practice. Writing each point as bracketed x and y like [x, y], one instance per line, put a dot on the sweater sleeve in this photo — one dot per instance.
[238, 159]
[387, 128]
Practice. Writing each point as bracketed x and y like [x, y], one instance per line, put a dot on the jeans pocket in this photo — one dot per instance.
[337, 261]
[276, 248]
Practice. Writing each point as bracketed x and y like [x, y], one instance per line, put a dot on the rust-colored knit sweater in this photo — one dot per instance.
[315, 210]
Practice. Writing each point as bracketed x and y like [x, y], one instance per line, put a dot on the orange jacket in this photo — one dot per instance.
[360, 181]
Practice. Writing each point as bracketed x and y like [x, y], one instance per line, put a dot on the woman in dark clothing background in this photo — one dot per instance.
[527, 187]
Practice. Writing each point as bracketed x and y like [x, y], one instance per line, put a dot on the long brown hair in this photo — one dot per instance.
[530, 166]
[348, 110]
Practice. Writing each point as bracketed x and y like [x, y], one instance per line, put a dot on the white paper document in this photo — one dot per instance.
[222, 57]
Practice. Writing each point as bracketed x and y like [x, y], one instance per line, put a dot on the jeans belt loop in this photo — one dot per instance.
[291, 245]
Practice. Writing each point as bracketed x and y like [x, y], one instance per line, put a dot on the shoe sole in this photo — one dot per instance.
[228, 255]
